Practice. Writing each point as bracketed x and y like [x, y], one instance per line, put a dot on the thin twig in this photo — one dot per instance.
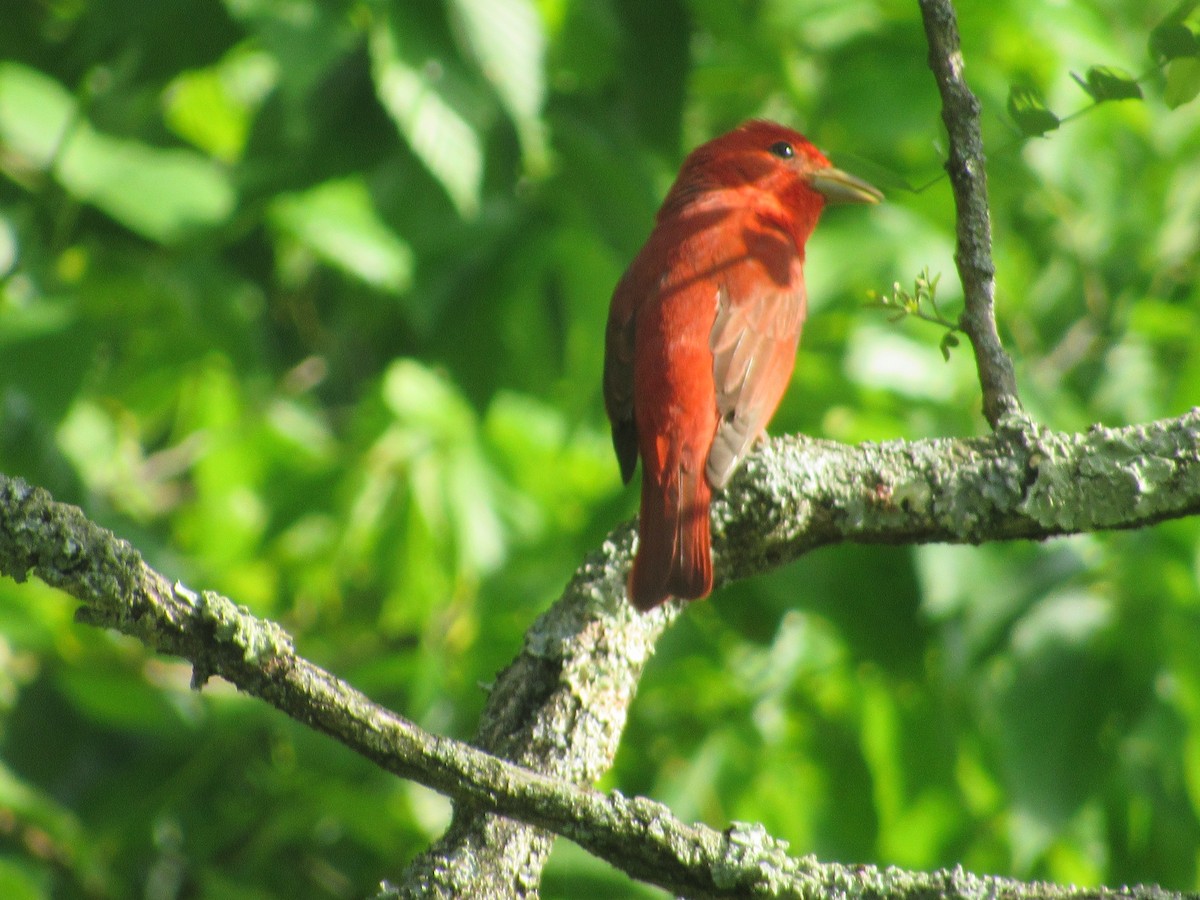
[968, 177]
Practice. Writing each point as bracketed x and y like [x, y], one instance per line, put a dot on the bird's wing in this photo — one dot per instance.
[618, 372]
[753, 341]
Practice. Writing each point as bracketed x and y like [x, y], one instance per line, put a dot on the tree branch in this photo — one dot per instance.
[560, 707]
[968, 177]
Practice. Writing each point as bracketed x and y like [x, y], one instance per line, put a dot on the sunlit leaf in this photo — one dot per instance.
[885, 359]
[8, 245]
[213, 108]
[416, 395]
[416, 89]
[507, 39]
[428, 483]
[34, 321]
[35, 113]
[338, 222]
[162, 194]
[304, 39]
[564, 469]
[1183, 82]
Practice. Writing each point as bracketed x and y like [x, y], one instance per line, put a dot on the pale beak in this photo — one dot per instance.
[841, 187]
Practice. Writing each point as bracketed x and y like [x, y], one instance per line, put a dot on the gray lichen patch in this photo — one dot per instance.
[1107, 477]
[258, 640]
[752, 859]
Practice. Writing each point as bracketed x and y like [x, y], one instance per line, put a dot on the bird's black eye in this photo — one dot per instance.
[782, 149]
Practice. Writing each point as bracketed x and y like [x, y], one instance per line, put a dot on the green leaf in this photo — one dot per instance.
[213, 108]
[162, 194]
[949, 342]
[338, 222]
[1183, 82]
[35, 112]
[115, 700]
[1028, 109]
[417, 85]
[1173, 40]
[9, 246]
[1106, 83]
[20, 881]
[879, 358]
[508, 41]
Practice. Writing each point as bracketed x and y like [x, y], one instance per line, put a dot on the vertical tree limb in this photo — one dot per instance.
[558, 709]
[968, 177]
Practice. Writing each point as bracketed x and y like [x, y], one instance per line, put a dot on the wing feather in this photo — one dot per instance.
[754, 340]
[618, 374]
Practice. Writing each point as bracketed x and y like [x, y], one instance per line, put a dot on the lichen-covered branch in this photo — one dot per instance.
[793, 496]
[968, 177]
[1021, 482]
[559, 709]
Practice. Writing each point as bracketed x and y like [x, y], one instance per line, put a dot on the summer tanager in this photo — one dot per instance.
[702, 336]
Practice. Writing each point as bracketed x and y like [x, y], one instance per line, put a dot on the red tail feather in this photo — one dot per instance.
[673, 557]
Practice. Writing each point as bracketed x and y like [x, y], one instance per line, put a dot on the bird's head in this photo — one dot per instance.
[761, 156]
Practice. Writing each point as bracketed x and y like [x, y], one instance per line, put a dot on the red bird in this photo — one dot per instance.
[702, 336]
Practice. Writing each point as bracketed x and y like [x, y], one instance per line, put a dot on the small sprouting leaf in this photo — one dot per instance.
[1028, 110]
[903, 303]
[1106, 83]
[1173, 40]
[1183, 82]
[949, 341]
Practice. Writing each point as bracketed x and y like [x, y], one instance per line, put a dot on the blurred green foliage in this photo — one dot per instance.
[306, 299]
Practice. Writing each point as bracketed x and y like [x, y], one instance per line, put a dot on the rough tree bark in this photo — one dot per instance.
[566, 695]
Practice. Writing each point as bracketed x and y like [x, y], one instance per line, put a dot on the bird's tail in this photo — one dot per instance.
[674, 557]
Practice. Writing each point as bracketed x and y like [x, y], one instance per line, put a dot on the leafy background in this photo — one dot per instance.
[306, 300]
